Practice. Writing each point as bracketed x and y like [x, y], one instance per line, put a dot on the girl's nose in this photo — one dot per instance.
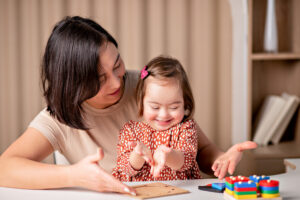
[163, 113]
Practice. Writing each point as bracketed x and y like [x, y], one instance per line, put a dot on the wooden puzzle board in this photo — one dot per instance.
[229, 197]
[152, 190]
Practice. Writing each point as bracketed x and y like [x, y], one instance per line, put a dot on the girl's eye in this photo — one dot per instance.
[173, 108]
[155, 108]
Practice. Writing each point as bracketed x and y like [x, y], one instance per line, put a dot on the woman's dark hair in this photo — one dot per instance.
[70, 68]
[164, 67]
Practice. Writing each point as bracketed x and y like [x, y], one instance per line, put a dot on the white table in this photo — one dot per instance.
[289, 189]
[81, 194]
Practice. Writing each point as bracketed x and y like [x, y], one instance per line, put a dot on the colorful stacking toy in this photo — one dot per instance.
[245, 190]
[256, 180]
[254, 187]
[269, 188]
[229, 183]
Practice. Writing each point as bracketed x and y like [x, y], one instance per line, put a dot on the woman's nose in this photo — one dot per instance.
[115, 81]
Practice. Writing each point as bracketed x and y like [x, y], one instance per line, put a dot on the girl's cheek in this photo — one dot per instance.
[149, 115]
[178, 114]
[152, 116]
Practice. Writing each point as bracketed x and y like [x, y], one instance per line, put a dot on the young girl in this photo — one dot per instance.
[164, 145]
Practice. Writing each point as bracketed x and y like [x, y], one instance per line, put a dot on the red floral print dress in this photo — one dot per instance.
[182, 136]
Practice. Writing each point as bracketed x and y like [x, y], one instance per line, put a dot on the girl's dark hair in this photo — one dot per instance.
[163, 67]
[70, 68]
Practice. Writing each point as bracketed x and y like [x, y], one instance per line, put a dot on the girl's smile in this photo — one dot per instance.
[163, 103]
[164, 122]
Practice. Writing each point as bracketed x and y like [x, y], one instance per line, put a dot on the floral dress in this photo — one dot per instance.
[182, 136]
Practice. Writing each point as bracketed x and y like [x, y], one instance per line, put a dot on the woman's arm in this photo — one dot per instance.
[20, 167]
[213, 161]
[207, 152]
[20, 164]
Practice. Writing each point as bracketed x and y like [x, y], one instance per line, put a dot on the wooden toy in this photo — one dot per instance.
[151, 190]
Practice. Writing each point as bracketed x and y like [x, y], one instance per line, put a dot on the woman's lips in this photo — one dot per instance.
[115, 92]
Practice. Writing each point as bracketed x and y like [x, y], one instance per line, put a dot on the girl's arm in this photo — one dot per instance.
[164, 155]
[136, 160]
[187, 144]
[139, 155]
[182, 156]
[175, 159]
[20, 167]
[131, 153]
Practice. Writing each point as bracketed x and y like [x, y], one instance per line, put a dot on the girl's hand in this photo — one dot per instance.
[88, 174]
[160, 157]
[229, 160]
[140, 149]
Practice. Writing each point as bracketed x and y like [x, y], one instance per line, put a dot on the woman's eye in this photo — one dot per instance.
[102, 80]
[117, 67]
[173, 108]
[155, 108]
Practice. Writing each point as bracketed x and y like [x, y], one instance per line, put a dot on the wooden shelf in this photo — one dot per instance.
[272, 74]
[275, 56]
[279, 151]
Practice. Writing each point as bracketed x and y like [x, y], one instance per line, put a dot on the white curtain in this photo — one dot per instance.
[197, 32]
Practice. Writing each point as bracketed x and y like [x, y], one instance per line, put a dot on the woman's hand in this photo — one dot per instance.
[88, 174]
[160, 158]
[143, 151]
[229, 160]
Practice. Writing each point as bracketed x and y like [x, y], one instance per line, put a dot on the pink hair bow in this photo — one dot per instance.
[144, 73]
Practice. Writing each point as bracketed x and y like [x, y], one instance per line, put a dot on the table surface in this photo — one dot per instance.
[288, 188]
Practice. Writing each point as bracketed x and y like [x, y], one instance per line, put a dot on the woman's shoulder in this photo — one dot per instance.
[43, 115]
[45, 120]
[50, 127]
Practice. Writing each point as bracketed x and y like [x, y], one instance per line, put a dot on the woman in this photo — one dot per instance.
[89, 97]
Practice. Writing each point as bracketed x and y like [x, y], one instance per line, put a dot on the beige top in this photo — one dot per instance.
[104, 124]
